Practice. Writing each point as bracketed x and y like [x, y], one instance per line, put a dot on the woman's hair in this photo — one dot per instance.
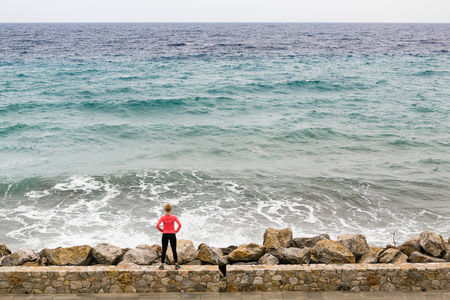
[168, 207]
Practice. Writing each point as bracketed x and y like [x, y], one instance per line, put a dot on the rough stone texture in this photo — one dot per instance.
[228, 249]
[354, 277]
[27, 254]
[246, 253]
[211, 255]
[268, 259]
[4, 250]
[447, 253]
[240, 278]
[23, 255]
[411, 245]
[417, 257]
[107, 254]
[72, 256]
[11, 260]
[331, 252]
[432, 243]
[310, 242]
[278, 238]
[186, 252]
[392, 256]
[356, 243]
[291, 255]
[154, 247]
[314, 258]
[371, 256]
[139, 257]
[110, 279]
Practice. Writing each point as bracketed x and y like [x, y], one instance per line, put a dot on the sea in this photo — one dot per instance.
[322, 128]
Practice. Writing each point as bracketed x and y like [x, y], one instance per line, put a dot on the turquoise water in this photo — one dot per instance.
[323, 128]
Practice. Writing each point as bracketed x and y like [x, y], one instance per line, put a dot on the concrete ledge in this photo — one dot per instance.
[148, 279]
[348, 277]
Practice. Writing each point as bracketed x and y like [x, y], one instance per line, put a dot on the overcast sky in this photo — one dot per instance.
[434, 11]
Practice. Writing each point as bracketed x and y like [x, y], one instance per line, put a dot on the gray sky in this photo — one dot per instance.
[435, 11]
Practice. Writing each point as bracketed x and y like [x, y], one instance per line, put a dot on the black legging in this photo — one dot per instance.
[166, 237]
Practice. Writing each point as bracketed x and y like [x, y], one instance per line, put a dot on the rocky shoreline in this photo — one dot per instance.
[279, 248]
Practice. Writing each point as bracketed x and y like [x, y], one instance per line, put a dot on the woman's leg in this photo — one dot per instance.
[173, 245]
[164, 241]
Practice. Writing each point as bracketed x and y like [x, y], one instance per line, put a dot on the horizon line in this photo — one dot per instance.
[218, 22]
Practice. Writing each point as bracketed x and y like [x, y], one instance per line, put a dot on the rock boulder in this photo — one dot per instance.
[4, 250]
[417, 257]
[310, 242]
[139, 257]
[268, 259]
[331, 252]
[447, 253]
[11, 260]
[107, 254]
[211, 255]
[72, 256]
[278, 238]
[392, 256]
[247, 253]
[432, 243]
[356, 243]
[411, 245]
[228, 249]
[371, 256]
[291, 255]
[186, 252]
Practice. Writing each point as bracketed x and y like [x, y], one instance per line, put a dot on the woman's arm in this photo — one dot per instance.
[179, 225]
[159, 223]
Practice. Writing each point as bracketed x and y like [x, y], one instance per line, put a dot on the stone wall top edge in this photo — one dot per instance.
[194, 268]
[340, 266]
[104, 268]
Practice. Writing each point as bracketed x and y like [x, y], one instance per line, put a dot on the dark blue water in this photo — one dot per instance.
[336, 128]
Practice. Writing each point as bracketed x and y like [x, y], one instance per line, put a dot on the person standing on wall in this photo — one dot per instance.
[169, 232]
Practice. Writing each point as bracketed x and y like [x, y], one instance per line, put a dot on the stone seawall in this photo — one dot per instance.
[110, 279]
[239, 278]
[354, 277]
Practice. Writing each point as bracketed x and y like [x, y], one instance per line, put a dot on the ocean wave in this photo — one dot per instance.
[307, 135]
[287, 86]
[431, 73]
[122, 208]
[8, 129]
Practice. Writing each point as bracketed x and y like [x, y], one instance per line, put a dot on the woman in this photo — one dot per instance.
[169, 231]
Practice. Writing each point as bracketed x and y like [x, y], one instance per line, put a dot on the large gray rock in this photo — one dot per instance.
[392, 256]
[4, 250]
[371, 256]
[417, 257]
[107, 254]
[292, 255]
[211, 255]
[411, 245]
[186, 252]
[72, 256]
[310, 242]
[268, 259]
[11, 260]
[278, 238]
[139, 257]
[331, 252]
[247, 253]
[20, 257]
[432, 243]
[447, 253]
[356, 243]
